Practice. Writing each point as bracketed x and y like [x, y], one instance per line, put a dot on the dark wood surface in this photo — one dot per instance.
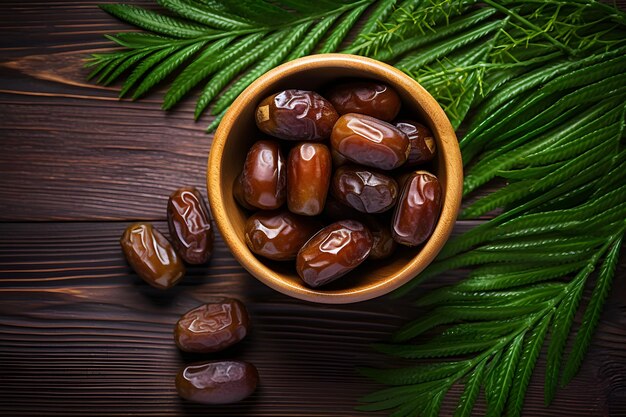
[80, 334]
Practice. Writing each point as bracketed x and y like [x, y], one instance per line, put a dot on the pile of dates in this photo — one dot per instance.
[211, 328]
[158, 261]
[208, 328]
[349, 164]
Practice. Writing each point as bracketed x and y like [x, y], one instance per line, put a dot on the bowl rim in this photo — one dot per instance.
[451, 159]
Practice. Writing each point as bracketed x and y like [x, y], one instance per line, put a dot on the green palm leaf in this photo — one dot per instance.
[592, 313]
[217, 41]
[545, 84]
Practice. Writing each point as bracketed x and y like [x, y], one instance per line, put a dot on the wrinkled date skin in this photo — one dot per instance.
[365, 97]
[422, 142]
[217, 382]
[296, 115]
[239, 196]
[264, 180]
[190, 227]
[369, 141]
[152, 256]
[309, 168]
[333, 252]
[363, 189]
[383, 244]
[212, 327]
[418, 209]
[278, 235]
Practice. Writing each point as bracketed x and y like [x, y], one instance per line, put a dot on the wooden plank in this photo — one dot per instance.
[80, 334]
[79, 331]
[70, 149]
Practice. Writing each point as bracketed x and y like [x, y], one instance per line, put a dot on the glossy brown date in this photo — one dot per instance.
[421, 139]
[417, 210]
[217, 382]
[239, 195]
[383, 245]
[264, 180]
[296, 115]
[333, 252]
[365, 190]
[151, 256]
[278, 235]
[212, 327]
[369, 141]
[365, 97]
[309, 168]
[190, 227]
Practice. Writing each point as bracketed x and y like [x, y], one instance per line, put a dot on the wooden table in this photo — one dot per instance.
[80, 334]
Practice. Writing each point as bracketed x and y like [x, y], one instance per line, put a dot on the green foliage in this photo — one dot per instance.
[544, 85]
[592, 313]
[553, 126]
[221, 42]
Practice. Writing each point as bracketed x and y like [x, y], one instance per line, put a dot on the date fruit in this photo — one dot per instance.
[365, 97]
[278, 235]
[363, 189]
[296, 115]
[309, 168]
[369, 141]
[417, 210]
[333, 252]
[238, 194]
[190, 227]
[383, 244]
[264, 180]
[151, 256]
[217, 382]
[212, 327]
[422, 142]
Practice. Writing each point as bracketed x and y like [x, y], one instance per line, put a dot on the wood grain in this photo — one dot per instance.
[70, 147]
[80, 329]
[80, 334]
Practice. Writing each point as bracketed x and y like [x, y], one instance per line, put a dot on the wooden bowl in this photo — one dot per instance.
[237, 132]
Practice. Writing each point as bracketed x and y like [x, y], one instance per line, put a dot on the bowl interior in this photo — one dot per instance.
[238, 132]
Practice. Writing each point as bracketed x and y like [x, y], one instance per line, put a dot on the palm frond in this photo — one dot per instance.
[544, 83]
[217, 42]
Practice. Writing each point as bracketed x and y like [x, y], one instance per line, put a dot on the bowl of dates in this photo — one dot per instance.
[335, 178]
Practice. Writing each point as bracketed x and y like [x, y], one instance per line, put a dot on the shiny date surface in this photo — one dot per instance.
[422, 142]
[417, 210]
[369, 141]
[333, 252]
[212, 327]
[363, 189]
[309, 167]
[365, 97]
[296, 115]
[190, 227]
[264, 179]
[152, 256]
[278, 235]
[217, 382]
